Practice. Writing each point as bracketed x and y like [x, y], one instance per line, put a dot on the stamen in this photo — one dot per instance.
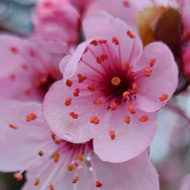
[13, 77]
[113, 106]
[152, 62]
[80, 157]
[81, 78]
[68, 101]
[104, 57]
[18, 176]
[51, 187]
[73, 115]
[98, 184]
[112, 134]
[115, 81]
[134, 88]
[31, 117]
[91, 88]
[94, 120]
[69, 83]
[164, 97]
[102, 41]
[127, 119]
[37, 181]
[56, 157]
[127, 63]
[27, 91]
[131, 108]
[94, 42]
[76, 92]
[14, 49]
[125, 94]
[76, 179]
[97, 101]
[13, 126]
[115, 41]
[85, 50]
[147, 72]
[98, 60]
[144, 118]
[70, 167]
[57, 141]
[129, 33]
[40, 153]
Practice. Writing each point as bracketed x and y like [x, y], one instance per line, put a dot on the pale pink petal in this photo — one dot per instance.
[57, 114]
[20, 140]
[135, 174]
[185, 183]
[156, 89]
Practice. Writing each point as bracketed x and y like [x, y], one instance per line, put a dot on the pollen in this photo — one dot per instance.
[31, 117]
[76, 92]
[115, 41]
[97, 101]
[94, 42]
[127, 119]
[69, 83]
[152, 62]
[73, 115]
[40, 153]
[68, 101]
[56, 157]
[129, 33]
[147, 72]
[70, 167]
[91, 88]
[144, 118]
[13, 126]
[112, 134]
[131, 108]
[115, 81]
[81, 78]
[51, 187]
[104, 57]
[102, 41]
[98, 184]
[76, 179]
[94, 120]
[18, 176]
[113, 106]
[134, 88]
[125, 94]
[164, 97]
[80, 157]
[98, 60]
[37, 181]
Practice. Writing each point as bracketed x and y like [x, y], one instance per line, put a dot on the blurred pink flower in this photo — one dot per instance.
[27, 144]
[111, 90]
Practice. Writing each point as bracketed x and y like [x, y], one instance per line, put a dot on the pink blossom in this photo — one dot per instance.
[27, 71]
[27, 144]
[56, 25]
[111, 90]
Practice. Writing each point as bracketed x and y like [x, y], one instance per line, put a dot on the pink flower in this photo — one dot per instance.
[27, 144]
[27, 71]
[111, 90]
[56, 25]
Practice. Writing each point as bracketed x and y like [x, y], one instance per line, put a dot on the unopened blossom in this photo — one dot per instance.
[111, 90]
[27, 71]
[27, 144]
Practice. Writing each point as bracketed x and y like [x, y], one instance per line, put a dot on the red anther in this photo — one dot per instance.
[70, 167]
[56, 157]
[131, 108]
[98, 60]
[91, 88]
[147, 72]
[73, 115]
[76, 179]
[32, 53]
[18, 176]
[40, 153]
[94, 120]
[152, 62]
[85, 50]
[57, 141]
[125, 94]
[31, 117]
[37, 181]
[97, 101]
[126, 3]
[94, 42]
[81, 78]
[134, 88]
[25, 67]
[14, 49]
[112, 134]
[102, 41]
[13, 77]
[127, 119]
[127, 63]
[13, 126]
[68, 101]
[115, 81]
[144, 118]
[51, 187]
[104, 57]
[129, 33]
[115, 41]
[76, 92]
[98, 184]
[164, 97]
[28, 91]
[69, 83]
